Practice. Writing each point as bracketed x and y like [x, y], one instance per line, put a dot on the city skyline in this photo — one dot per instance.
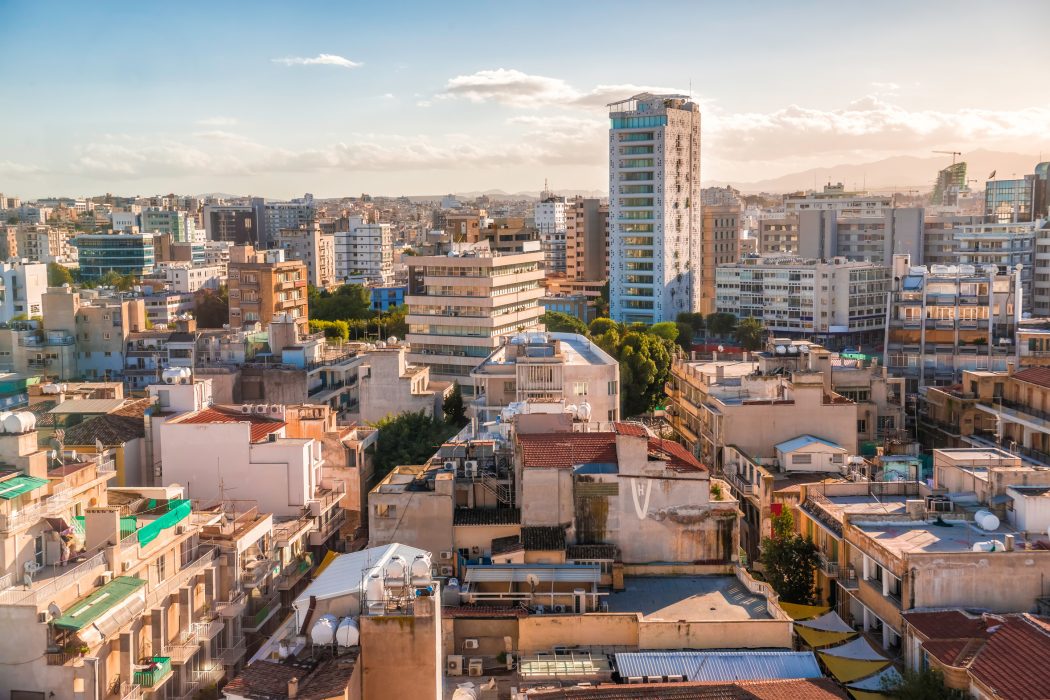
[345, 100]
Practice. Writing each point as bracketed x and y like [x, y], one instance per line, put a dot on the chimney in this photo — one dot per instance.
[293, 689]
[1010, 368]
[1009, 543]
[720, 373]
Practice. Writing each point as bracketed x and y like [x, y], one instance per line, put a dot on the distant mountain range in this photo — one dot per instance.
[899, 173]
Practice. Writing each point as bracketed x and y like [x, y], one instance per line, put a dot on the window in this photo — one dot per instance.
[862, 426]
[612, 388]
[579, 388]
[802, 459]
[162, 572]
[386, 510]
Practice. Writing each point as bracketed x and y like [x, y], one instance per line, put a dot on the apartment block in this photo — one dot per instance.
[22, 285]
[550, 218]
[778, 235]
[315, 249]
[720, 231]
[262, 286]
[389, 385]
[43, 243]
[462, 304]
[874, 237]
[655, 254]
[940, 231]
[586, 240]
[237, 225]
[188, 278]
[364, 252]
[837, 302]
[837, 198]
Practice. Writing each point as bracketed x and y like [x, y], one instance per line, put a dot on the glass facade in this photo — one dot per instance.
[639, 122]
[1009, 201]
[125, 254]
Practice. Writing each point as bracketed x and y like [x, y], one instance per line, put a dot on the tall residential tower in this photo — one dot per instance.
[654, 208]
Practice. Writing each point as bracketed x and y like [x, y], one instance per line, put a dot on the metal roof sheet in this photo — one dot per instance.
[87, 406]
[804, 440]
[100, 602]
[347, 572]
[17, 485]
[719, 665]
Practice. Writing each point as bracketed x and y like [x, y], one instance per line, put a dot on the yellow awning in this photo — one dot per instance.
[328, 559]
[819, 638]
[847, 670]
[804, 612]
[866, 695]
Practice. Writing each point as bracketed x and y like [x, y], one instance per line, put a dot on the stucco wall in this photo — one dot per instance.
[544, 632]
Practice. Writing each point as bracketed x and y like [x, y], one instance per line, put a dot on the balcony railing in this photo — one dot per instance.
[829, 567]
[169, 586]
[153, 677]
[257, 574]
[1017, 409]
[327, 529]
[50, 589]
[327, 498]
[232, 654]
[744, 488]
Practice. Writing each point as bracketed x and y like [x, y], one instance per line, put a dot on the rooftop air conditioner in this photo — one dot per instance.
[454, 665]
[246, 408]
[559, 608]
[446, 570]
[446, 555]
[471, 468]
[475, 667]
[470, 644]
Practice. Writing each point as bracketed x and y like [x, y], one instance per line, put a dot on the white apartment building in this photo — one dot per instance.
[43, 243]
[22, 285]
[164, 308]
[836, 198]
[551, 222]
[315, 249]
[838, 303]
[364, 252]
[858, 235]
[1009, 247]
[186, 278]
[217, 254]
[654, 207]
[461, 305]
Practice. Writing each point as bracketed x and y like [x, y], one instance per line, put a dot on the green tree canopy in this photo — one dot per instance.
[455, 411]
[212, 308]
[601, 326]
[693, 319]
[790, 561]
[350, 301]
[558, 322]
[750, 333]
[721, 324]
[333, 330]
[668, 330]
[408, 438]
[57, 275]
[645, 364]
[921, 685]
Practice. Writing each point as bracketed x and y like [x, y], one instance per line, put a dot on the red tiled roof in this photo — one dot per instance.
[1034, 375]
[261, 425]
[949, 651]
[566, 450]
[793, 689]
[1015, 661]
[946, 624]
[635, 429]
[676, 455]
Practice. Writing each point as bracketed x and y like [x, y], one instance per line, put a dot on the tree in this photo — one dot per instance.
[645, 364]
[408, 438]
[601, 326]
[695, 320]
[668, 330]
[557, 322]
[350, 301]
[721, 324]
[112, 278]
[750, 333]
[212, 308]
[57, 275]
[920, 685]
[455, 412]
[601, 304]
[789, 561]
[335, 330]
[685, 336]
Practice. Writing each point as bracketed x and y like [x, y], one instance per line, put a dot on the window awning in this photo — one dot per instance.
[17, 485]
[102, 612]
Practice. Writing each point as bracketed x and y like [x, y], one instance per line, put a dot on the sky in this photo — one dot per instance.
[280, 98]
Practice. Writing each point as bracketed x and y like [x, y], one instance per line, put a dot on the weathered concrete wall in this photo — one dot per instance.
[287, 386]
[489, 633]
[547, 497]
[544, 632]
[729, 634]
[481, 536]
[998, 581]
[399, 657]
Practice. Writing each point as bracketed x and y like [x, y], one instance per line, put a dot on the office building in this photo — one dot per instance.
[720, 231]
[315, 249]
[461, 305]
[182, 227]
[563, 369]
[364, 252]
[262, 286]
[838, 303]
[945, 319]
[387, 298]
[579, 306]
[875, 237]
[550, 219]
[940, 233]
[1020, 199]
[654, 208]
[237, 225]
[123, 253]
[22, 284]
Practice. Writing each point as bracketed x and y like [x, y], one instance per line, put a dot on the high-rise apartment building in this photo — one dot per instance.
[315, 249]
[263, 285]
[721, 246]
[182, 227]
[550, 219]
[364, 252]
[274, 216]
[586, 240]
[654, 207]
[462, 304]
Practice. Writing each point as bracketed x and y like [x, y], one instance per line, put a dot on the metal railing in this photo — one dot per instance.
[52, 587]
[231, 654]
[744, 487]
[326, 529]
[829, 567]
[169, 586]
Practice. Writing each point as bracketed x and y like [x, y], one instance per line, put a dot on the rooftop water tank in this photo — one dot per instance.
[395, 570]
[465, 691]
[347, 634]
[986, 520]
[374, 589]
[323, 631]
[421, 569]
[19, 423]
[585, 411]
[989, 546]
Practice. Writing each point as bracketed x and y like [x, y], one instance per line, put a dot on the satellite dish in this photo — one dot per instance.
[533, 580]
[721, 348]
[54, 611]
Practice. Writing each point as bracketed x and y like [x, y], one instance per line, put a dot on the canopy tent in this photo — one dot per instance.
[849, 670]
[887, 678]
[830, 622]
[859, 648]
[816, 639]
[804, 612]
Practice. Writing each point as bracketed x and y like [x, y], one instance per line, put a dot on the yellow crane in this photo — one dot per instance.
[953, 154]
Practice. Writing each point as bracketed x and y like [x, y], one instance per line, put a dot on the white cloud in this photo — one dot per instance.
[886, 87]
[9, 167]
[321, 59]
[217, 121]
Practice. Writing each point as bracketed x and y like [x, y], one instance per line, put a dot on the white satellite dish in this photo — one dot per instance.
[54, 611]
[721, 348]
[533, 580]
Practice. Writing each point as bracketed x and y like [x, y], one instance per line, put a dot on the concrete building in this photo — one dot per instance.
[165, 308]
[655, 253]
[720, 231]
[1018, 200]
[387, 298]
[364, 252]
[940, 232]
[237, 225]
[1009, 247]
[43, 243]
[188, 278]
[778, 235]
[263, 285]
[274, 216]
[875, 238]
[837, 303]
[460, 306]
[180, 225]
[550, 219]
[22, 284]
[578, 306]
[836, 198]
[943, 320]
[123, 253]
[389, 385]
[554, 368]
[315, 249]
[586, 240]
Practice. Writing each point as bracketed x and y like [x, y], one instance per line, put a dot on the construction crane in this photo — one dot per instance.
[953, 154]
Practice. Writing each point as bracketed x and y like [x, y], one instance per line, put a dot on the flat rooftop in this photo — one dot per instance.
[903, 538]
[674, 598]
[573, 350]
[865, 504]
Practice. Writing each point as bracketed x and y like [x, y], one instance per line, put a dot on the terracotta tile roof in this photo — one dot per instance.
[634, 429]
[269, 680]
[541, 538]
[946, 624]
[486, 516]
[566, 450]
[109, 428]
[261, 425]
[505, 545]
[483, 611]
[592, 551]
[1034, 375]
[795, 689]
[135, 408]
[42, 411]
[1015, 661]
[676, 456]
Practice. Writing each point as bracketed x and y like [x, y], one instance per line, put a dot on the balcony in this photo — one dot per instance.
[232, 654]
[829, 567]
[207, 630]
[164, 589]
[257, 572]
[293, 573]
[181, 653]
[320, 536]
[158, 672]
[260, 613]
[1041, 419]
[46, 588]
[744, 488]
[231, 608]
[326, 498]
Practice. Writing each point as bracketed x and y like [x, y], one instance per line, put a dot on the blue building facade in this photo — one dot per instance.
[386, 298]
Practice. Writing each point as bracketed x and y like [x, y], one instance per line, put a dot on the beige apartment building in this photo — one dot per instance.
[263, 285]
[720, 230]
[586, 240]
[388, 385]
[461, 305]
[778, 235]
[314, 249]
[551, 368]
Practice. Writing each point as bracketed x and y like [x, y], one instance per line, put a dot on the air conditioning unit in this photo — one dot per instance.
[475, 667]
[246, 408]
[510, 662]
[125, 565]
[559, 608]
[261, 409]
[446, 570]
[446, 555]
[540, 610]
[454, 665]
[105, 577]
[471, 468]
[180, 529]
[470, 644]
[450, 466]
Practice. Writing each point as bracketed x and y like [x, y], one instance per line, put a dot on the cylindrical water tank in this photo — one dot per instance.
[3, 417]
[451, 594]
[983, 546]
[421, 568]
[986, 520]
[323, 631]
[18, 423]
[374, 589]
[395, 570]
[465, 691]
[347, 634]
[585, 411]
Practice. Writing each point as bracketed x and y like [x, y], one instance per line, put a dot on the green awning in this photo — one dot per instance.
[128, 525]
[17, 485]
[99, 603]
[178, 510]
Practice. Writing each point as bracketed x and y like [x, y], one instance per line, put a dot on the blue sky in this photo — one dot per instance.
[420, 98]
